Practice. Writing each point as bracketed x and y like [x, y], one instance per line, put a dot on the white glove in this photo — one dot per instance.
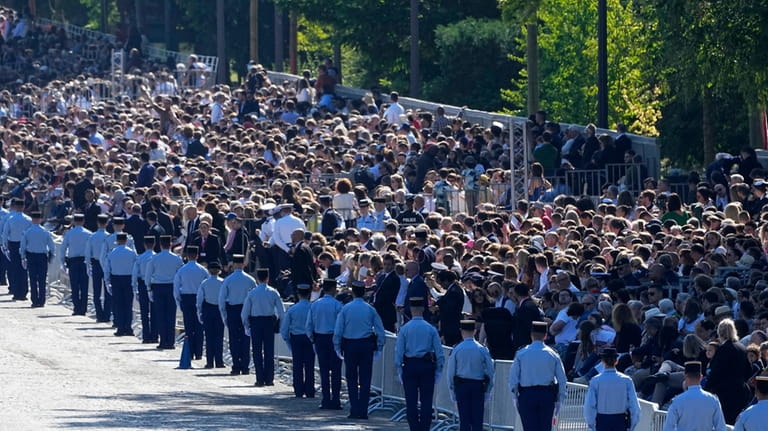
[247, 332]
[453, 396]
[338, 353]
[109, 288]
[63, 268]
[400, 375]
[89, 271]
[557, 408]
[376, 355]
[24, 263]
[149, 295]
[515, 401]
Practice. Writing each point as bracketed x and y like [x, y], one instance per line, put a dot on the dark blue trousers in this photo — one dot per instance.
[192, 326]
[263, 342]
[537, 406]
[611, 422]
[330, 371]
[470, 400]
[303, 366]
[147, 312]
[213, 328]
[122, 301]
[238, 342]
[419, 386]
[102, 300]
[165, 305]
[17, 275]
[78, 284]
[4, 264]
[37, 268]
[358, 360]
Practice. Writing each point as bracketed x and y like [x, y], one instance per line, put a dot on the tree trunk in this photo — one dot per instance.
[337, 61]
[532, 56]
[103, 15]
[707, 127]
[602, 64]
[279, 56]
[254, 30]
[138, 6]
[415, 54]
[170, 24]
[292, 42]
[756, 127]
[221, 43]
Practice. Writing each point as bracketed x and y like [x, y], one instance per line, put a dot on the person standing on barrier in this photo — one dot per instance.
[102, 300]
[755, 417]
[293, 329]
[358, 339]
[537, 381]
[695, 409]
[118, 268]
[321, 321]
[37, 250]
[419, 362]
[73, 247]
[234, 290]
[470, 378]
[262, 311]
[208, 314]
[611, 403]
[15, 224]
[161, 270]
[186, 283]
[140, 288]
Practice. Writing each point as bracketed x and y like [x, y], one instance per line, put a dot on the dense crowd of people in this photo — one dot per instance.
[292, 179]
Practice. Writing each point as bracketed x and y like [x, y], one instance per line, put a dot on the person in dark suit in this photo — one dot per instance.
[526, 313]
[208, 245]
[194, 221]
[622, 142]
[449, 306]
[218, 223]
[237, 240]
[331, 219]
[137, 228]
[417, 288]
[386, 293]
[91, 211]
[425, 254]
[154, 229]
[303, 269]
[729, 371]
[162, 217]
[78, 193]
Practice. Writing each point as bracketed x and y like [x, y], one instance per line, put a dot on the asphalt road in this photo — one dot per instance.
[69, 372]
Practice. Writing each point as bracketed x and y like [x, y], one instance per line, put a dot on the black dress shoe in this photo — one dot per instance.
[258, 384]
[208, 366]
[148, 341]
[102, 320]
[309, 395]
[336, 407]
[269, 384]
[198, 357]
[234, 372]
[221, 366]
[245, 372]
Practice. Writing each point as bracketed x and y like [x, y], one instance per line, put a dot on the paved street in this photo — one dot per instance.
[65, 372]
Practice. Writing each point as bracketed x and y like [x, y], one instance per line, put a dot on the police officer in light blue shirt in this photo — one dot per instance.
[358, 338]
[755, 418]
[470, 377]
[110, 242]
[102, 300]
[695, 409]
[537, 380]
[380, 214]
[160, 273]
[208, 313]
[321, 322]
[366, 219]
[611, 403]
[16, 222]
[118, 269]
[293, 329]
[37, 250]
[141, 289]
[4, 262]
[72, 252]
[185, 286]
[262, 309]
[234, 290]
[419, 361]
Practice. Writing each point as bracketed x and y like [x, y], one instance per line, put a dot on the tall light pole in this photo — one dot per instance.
[602, 64]
[221, 43]
[415, 55]
[254, 30]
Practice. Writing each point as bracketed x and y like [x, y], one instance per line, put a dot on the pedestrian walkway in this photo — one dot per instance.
[69, 372]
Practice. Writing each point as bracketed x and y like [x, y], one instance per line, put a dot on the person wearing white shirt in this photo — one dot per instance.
[281, 237]
[217, 109]
[395, 110]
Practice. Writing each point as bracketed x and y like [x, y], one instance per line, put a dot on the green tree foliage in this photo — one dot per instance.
[465, 77]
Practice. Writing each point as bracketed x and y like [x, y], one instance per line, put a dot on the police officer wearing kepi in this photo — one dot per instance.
[695, 409]
[37, 250]
[293, 329]
[234, 290]
[185, 286]
[110, 242]
[140, 288]
[321, 322]
[419, 361]
[160, 272]
[470, 378]
[73, 258]
[357, 335]
[262, 310]
[14, 226]
[208, 313]
[537, 381]
[755, 417]
[118, 269]
[611, 403]
[102, 300]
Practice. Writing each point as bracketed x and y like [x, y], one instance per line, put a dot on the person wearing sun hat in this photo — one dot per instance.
[694, 409]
